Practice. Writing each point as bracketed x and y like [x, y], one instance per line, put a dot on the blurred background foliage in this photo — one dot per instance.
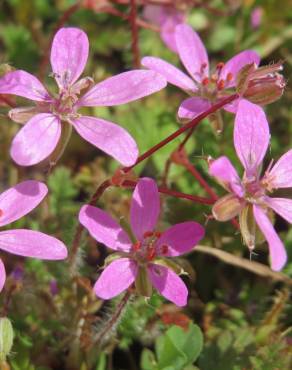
[239, 315]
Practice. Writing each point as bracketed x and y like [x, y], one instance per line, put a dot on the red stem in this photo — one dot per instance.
[201, 180]
[134, 30]
[205, 185]
[139, 22]
[189, 125]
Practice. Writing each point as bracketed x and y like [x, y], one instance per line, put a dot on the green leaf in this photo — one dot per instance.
[148, 361]
[179, 348]
[190, 342]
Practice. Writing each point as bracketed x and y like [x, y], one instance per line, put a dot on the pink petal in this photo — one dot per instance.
[192, 107]
[172, 74]
[281, 173]
[104, 229]
[192, 51]
[180, 238]
[23, 84]
[28, 243]
[234, 65]
[108, 137]
[171, 17]
[224, 171]
[167, 18]
[123, 88]
[20, 200]
[36, 140]
[69, 55]
[251, 136]
[168, 284]
[277, 250]
[282, 206]
[116, 278]
[167, 34]
[2, 275]
[145, 207]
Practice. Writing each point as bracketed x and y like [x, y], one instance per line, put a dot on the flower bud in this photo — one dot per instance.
[6, 338]
[261, 85]
[142, 283]
[227, 207]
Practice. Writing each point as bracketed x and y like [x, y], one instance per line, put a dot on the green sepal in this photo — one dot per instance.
[66, 131]
[125, 226]
[174, 266]
[142, 283]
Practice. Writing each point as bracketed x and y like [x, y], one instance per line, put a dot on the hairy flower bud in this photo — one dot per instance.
[6, 338]
[227, 207]
[261, 85]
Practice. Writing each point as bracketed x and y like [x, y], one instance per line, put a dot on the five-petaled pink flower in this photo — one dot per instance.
[204, 87]
[167, 17]
[15, 203]
[41, 134]
[248, 197]
[148, 249]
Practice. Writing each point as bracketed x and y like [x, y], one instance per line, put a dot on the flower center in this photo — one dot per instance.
[147, 250]
[1, 213]
[63, 106]
[211, 86]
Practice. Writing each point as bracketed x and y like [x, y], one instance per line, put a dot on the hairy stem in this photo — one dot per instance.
[112, 321]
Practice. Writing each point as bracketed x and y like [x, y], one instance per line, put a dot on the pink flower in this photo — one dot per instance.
[15, 203]
[147, 252]
[41, 134]
[167, 18]
[256, 17]
[248, 197]
[203, 86]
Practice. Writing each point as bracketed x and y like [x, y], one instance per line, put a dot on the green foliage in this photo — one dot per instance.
[246, 323]
[62, 190]
[175, 350]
